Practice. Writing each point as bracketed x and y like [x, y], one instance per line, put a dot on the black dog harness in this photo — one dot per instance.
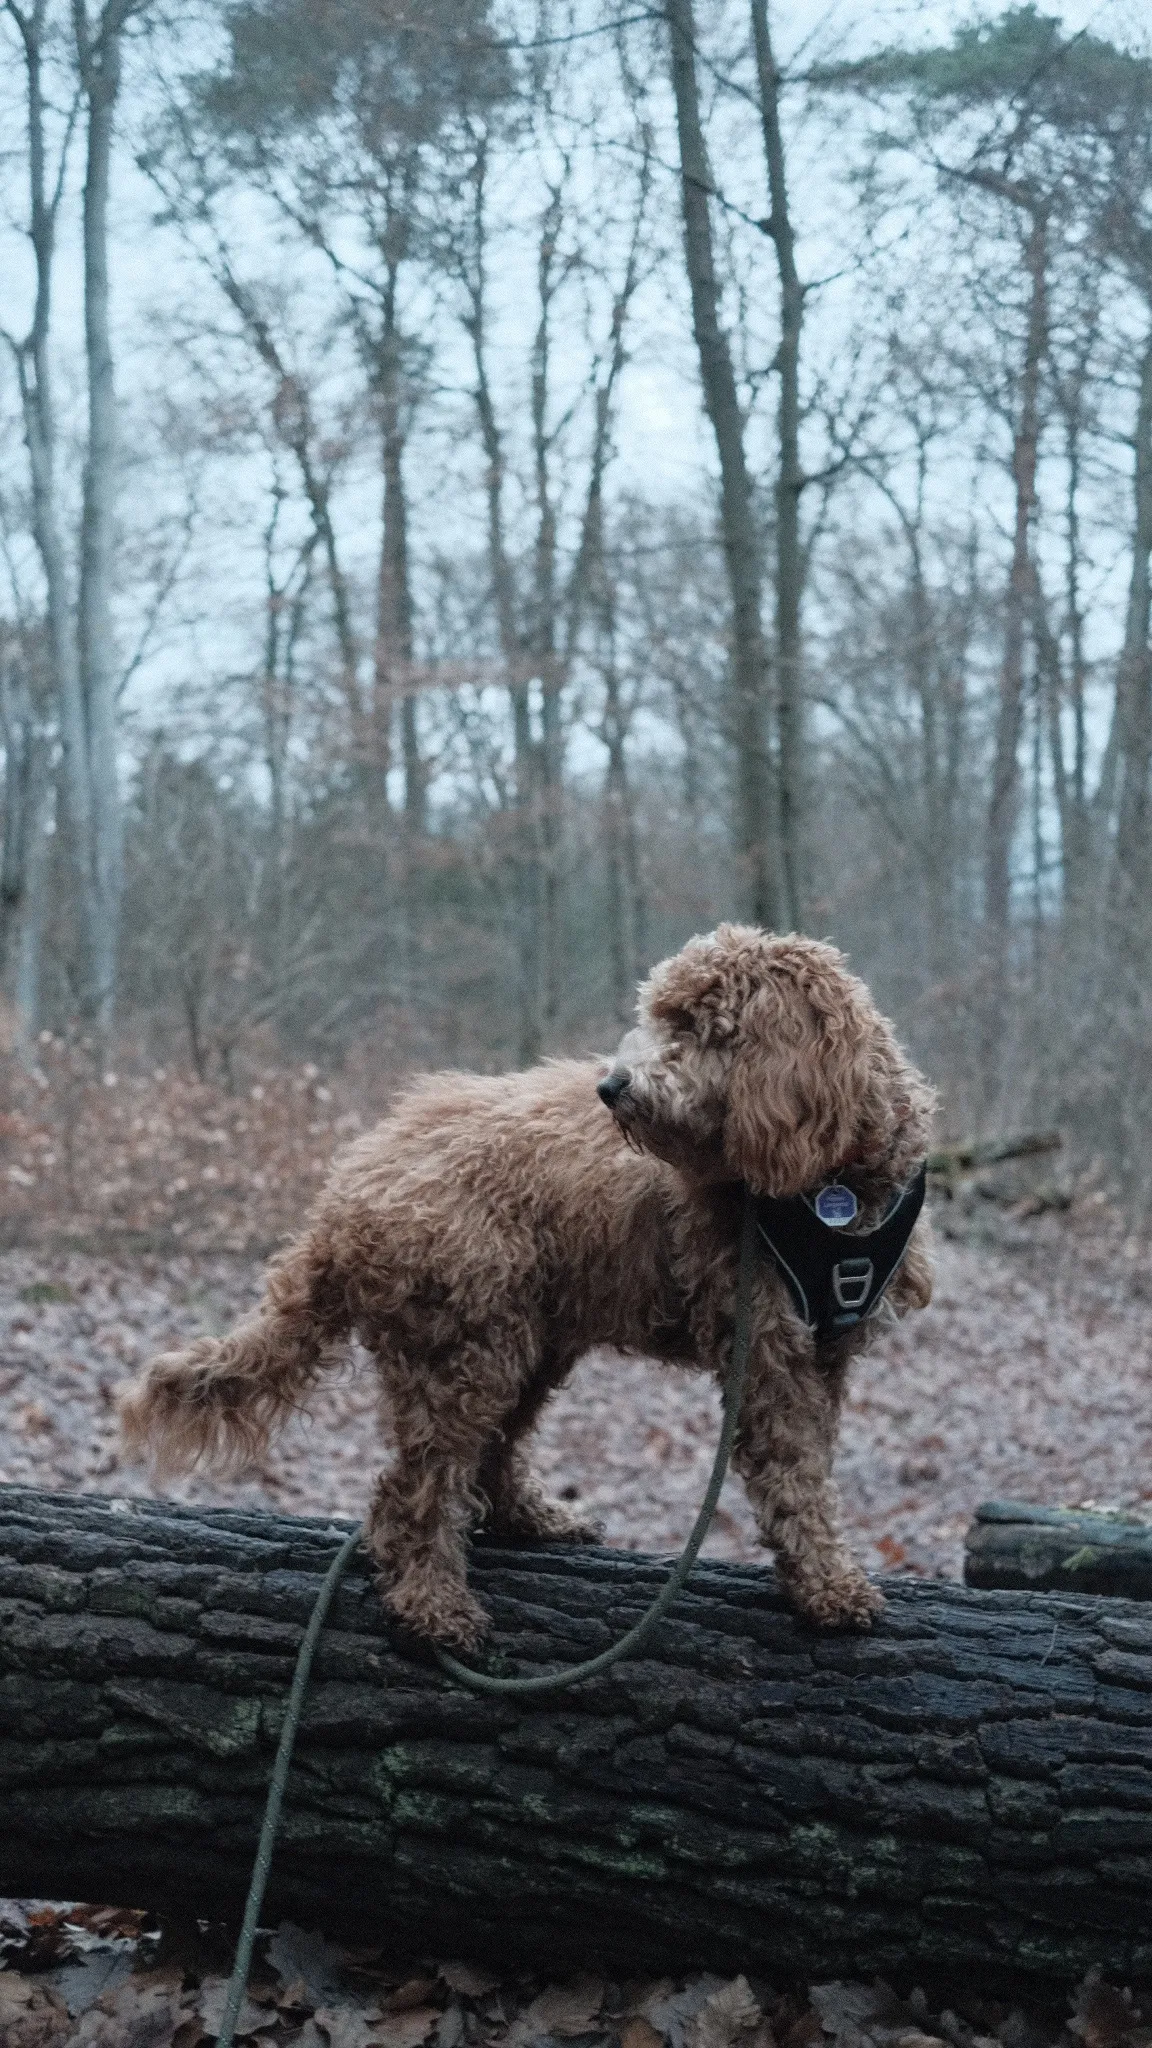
[835, 1280]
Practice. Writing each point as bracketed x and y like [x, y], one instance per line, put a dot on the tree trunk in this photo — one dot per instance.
[544, 637]
[757, 820]
[100, 70]
[1058, 1550]
[1134, 680]
[789, 481]
[38, 410]
[24, 850]
[292, 418]
[962, 1792]
[626, 935]
[1002, 803]
[526, 863]
[395, 638]
[395, 644]
[1075, 809]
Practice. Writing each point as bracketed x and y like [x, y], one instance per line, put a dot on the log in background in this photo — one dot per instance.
[966, 1793]
[1059, 1550]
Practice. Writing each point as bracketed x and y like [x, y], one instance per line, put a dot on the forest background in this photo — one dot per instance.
[488, 490]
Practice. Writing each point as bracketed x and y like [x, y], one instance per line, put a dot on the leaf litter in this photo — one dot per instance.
[308, 1993]
[1026, 1379]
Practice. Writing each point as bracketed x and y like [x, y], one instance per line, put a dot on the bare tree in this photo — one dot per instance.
[82, 651]
[757, 833]
[27, 790]
[790, 479]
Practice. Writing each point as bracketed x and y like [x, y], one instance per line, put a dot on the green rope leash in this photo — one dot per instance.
[482, 1681]
[238, 1984]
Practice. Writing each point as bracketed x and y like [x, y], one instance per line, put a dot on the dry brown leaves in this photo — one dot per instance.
[307, 1993]
[163, 1156]
[1026, 1379]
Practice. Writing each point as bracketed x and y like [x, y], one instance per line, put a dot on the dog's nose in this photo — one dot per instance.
[613, 1085]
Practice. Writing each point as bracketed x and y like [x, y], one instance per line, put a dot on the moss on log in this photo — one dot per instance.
[967, 1792]
[1060, 1550]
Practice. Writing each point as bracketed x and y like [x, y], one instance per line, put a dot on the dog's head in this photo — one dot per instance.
[762, 1059]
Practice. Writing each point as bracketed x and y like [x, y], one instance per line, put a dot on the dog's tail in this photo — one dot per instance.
[217, 1402]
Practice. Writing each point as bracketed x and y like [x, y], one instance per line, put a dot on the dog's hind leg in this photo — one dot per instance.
[520, 1511]
[445, 1415]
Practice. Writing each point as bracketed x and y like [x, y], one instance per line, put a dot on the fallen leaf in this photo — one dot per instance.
[81, 1982]
[212, 1999]
[640, 2033]
[415, 1991]
[124, 1923]
[344, 2027]
[672, 2012]
[802, 2030]
[296, 1997]
[295, 1955]
[845, 2009]
[404, 2029]
[467, 1979]
[562, 2010]
[729, 2012]
[30, 2017]
[450, 2027]
[138, 2014]
[40, 1935]
[1100, 2015]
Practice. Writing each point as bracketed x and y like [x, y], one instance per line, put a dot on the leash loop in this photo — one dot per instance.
[482, 1681]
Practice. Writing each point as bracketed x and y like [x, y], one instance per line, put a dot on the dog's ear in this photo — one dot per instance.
[803, 1091]
[706, 987]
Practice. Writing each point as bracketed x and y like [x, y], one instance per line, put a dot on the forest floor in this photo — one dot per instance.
[136, 1215]
[1026, 1379]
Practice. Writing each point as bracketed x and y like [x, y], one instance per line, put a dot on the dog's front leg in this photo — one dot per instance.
[787, 1438]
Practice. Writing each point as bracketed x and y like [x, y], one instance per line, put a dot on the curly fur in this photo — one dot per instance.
[490, 1231]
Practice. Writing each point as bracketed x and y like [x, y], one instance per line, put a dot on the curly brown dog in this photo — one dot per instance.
[489, 1232]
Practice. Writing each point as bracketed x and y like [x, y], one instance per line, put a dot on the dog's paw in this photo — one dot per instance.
[441, 1613]
[541, 1520]
[848, 1600]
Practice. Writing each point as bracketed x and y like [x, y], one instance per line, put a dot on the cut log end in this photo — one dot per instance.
[1015, 1546]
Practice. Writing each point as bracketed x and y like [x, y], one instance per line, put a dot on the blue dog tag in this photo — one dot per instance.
[836, 1206]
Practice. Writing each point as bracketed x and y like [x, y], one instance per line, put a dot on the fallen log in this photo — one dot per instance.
[964, 1794]
[968, 1155]
[1063, 1550]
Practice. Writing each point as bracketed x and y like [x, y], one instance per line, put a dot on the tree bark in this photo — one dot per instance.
[99, 56]
[23, 844]
[526, 863]
[789, 481]
[38, 409]
[1058, 1550]
[1134, 678]
[395, 642]
[963, 1791]
[1003, 799]
[757, 832]
[543, 636]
